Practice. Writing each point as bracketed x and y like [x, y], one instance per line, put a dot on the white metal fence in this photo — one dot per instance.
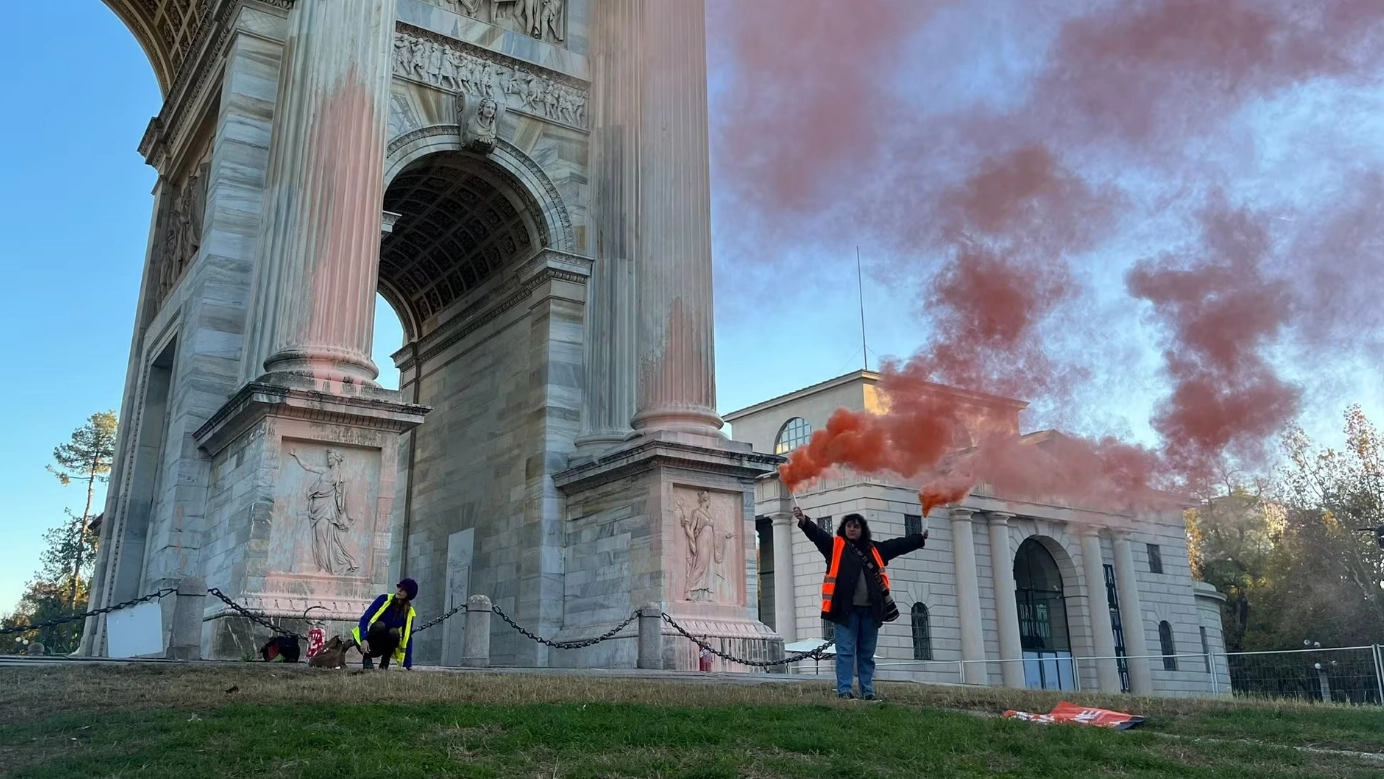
[1338, 674]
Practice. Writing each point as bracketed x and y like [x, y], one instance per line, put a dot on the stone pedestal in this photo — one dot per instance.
[299, 508]
[664, 520]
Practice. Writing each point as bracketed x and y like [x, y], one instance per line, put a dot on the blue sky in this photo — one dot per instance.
[75, 203]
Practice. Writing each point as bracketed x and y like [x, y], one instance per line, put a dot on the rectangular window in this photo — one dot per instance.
[825, 524]
[1155, 559]
[1206, 649]
[1112, 598]
[912, 524]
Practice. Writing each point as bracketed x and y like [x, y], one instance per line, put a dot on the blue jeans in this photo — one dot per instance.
[855, 649]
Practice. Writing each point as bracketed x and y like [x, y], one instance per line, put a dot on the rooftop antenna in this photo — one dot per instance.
[860, 287]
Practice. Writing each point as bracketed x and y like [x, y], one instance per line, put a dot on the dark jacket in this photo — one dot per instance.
[849, 574]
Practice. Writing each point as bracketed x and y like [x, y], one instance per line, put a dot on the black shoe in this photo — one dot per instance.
[849, 696]
[368, 664]
[872, 697]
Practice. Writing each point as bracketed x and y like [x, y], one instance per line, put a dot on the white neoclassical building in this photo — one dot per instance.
[1007, 592]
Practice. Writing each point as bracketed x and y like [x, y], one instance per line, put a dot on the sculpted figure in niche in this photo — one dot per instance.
[483, 128]
[705, 544]
[328, 516]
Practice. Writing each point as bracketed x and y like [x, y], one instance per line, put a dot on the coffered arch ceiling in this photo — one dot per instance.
[462, 219]
[165, 30]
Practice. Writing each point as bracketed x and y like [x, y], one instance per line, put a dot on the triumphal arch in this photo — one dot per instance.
[526, 182]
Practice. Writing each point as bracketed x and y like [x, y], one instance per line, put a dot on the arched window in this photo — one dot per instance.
[1165, 639]
[794, 433]
[922, 633]
[1043, 633]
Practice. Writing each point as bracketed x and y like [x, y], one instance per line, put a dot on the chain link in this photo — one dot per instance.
[815, 653]
[606, 636]
[74, 617]
[443, 618]
[255, 618]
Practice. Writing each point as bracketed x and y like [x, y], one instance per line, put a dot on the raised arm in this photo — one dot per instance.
[814, 534]
[895, 547]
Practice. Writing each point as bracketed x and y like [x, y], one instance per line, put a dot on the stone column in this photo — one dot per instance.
[968, 596]
[1132, 616]
[785, 615]
[313, 303]
[616, 67]
[1006, 604]
[675, 352]
[1103, 634]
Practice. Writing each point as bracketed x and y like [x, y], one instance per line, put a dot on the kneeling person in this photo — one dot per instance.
[385, 627]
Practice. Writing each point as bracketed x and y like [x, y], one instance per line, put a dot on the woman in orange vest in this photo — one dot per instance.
[854, 593]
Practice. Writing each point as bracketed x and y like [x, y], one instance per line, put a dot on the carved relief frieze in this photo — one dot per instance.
[180, 236]
[705, 528]
[454, 66]
[545, 20]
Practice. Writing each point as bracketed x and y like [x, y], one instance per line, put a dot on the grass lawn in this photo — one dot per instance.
[257, 720]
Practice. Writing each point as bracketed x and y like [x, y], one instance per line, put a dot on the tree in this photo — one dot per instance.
[85, 459]
[1331, 496]
[42, 601]
[1287, 554]
[1231, 539]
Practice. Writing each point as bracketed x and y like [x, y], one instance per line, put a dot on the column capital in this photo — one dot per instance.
[1090, 530]
[961, 514]
[998, 517]
[779, 518]
[1121, 534]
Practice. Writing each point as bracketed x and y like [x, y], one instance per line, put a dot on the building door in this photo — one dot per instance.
[1043, 633]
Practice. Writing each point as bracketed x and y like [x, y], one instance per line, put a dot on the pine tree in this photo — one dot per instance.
[86, 459]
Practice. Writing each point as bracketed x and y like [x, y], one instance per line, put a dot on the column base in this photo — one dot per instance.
[323, 369]
[664, 518]
[695, 421]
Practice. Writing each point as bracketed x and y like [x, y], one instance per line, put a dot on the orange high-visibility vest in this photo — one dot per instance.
[838, 547]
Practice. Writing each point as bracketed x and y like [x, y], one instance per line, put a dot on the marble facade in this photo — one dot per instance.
[500, 171]
[970, 628]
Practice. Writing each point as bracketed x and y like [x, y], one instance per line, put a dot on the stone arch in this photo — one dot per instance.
[549, 209]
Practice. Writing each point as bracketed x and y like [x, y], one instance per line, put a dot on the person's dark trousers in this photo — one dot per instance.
[383, 642]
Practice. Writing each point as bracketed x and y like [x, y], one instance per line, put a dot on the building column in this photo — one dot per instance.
[1102, 631]
[313, 302]
[616, 57]
[968, 597]
[1006, 603]
[785, 615]
[1132, 616]
[675, 362]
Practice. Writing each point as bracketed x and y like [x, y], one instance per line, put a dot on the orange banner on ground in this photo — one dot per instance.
[1066, 713]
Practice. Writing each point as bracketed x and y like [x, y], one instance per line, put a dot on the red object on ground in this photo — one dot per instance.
[1066, 713]
[316, 638]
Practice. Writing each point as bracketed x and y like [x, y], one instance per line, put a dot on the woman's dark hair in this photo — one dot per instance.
[859, 520]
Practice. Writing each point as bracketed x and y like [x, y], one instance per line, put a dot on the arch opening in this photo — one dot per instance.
[460, 220]
[1044, 634]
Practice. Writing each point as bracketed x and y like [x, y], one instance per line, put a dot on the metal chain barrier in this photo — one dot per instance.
[255, 618]
[606, 636]
[815, 653]
[443, 618]
[74, 617]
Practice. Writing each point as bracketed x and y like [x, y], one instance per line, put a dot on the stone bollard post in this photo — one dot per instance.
[475, 645]
[651, 637]
[185, 633]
